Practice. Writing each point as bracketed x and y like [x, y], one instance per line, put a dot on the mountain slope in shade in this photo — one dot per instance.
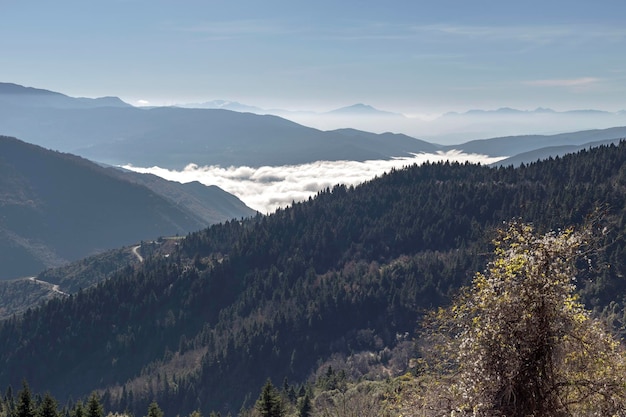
[513, 145]
[178, 137]
[210, 203]
[550, 152]
[57, 207]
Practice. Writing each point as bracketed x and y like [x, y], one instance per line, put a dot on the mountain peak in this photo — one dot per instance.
[361, 109]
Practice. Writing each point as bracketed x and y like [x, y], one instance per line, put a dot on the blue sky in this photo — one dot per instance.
[406, 56]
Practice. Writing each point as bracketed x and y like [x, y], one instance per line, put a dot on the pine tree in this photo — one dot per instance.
[269, 403]
[9, 402]
[94, 408]
[154, 410]
[304, 406]
[78, 410]
[48, 407]
[25, 407]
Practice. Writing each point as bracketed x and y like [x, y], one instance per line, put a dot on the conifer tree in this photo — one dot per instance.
[25, 407]
[154, 410]
[9, 402]
[94, 408]
[78, 410]
[304, 406]
[269, 403]
[48, 407]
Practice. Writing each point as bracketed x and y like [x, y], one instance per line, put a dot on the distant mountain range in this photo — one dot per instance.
[224, 105]
[15, 94]
[111, 131]
[539, 110]
[174, 137]
[448, 128]
[358, 109]
[516, 145]
[361, 109]
[57, 207]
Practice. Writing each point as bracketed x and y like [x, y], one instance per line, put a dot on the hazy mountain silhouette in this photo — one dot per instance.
[225, 105]
[110, 131]
[175, 137]
[453, 127]
[551, 152]
[538, 110]
[514, 145]
[35, 97]
[361, 109]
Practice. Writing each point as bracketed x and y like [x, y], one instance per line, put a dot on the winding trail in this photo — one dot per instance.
[136, 253]
[53, 287]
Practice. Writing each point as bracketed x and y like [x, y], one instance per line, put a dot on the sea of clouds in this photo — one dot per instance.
[267, 188]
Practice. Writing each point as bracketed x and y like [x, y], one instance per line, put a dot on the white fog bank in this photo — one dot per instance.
[269, 187]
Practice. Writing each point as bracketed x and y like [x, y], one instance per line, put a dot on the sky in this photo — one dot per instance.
[413, 57]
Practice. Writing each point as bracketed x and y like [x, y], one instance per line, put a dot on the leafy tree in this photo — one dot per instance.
[519, 343]
[270, 404]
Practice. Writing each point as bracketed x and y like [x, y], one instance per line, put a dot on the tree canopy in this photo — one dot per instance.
[518, 342]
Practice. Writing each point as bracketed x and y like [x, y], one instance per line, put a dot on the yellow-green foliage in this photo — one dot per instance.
[520, 343]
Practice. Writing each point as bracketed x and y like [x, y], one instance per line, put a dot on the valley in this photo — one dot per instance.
[284, 295]
[143, 289]
[313, 209]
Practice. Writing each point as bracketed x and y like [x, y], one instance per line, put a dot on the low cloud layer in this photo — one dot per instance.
[269, 187]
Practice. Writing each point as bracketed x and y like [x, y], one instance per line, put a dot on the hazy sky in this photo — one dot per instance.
[408, 56]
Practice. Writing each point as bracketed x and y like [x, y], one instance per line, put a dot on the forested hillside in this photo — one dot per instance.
[351, 270]
[57, 207]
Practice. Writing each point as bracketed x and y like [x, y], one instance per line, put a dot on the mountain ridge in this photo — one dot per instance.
[173, 137]
[57, 207]
[37, 97]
